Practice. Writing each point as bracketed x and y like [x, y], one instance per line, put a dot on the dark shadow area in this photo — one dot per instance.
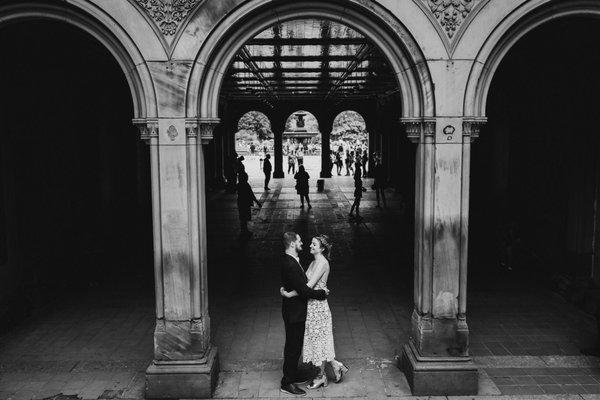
[75, 202]
[534, 170]
[534, 176]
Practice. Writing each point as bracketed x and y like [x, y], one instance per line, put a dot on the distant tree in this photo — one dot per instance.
[349, 126]
[257, 123]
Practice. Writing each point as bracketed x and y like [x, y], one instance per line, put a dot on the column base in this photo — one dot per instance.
[183, 379]
[278, 174]
[438, 376]
[325, 174]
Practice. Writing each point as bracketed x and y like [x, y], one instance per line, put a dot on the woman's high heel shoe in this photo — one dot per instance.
[341, 371]
[317, 383]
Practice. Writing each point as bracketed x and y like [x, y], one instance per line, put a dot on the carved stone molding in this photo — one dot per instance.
[168, 14]
[472, 127]
[451, 13]
[148, 129]
[417, 126]
[451, 17]
[202, 128]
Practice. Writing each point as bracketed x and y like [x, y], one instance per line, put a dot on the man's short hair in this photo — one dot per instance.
[289, 238]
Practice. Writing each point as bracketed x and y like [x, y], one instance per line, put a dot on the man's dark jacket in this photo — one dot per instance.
[267, 167]
[294, 278]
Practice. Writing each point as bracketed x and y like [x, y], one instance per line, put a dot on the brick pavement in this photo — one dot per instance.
[98, 345]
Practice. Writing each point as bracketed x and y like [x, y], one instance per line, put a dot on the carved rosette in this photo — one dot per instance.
[471, 128]
[417, 126]
[168, 14]
[451, 13]
[148, 129]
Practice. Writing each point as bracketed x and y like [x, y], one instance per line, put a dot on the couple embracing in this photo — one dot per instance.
[306, 315]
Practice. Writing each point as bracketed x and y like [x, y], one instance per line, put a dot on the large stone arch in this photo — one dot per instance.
[516, 25]
[369, 18]
[102, 27]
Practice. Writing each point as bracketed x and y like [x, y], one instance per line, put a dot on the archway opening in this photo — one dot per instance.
[302, 143]
[349, 143]
[253, 141]
[76, 240]
[299, 67]
[534, 190]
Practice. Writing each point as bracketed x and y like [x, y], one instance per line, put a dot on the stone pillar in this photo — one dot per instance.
[436, 360]
[326, 126]
[278, 126]
[185, 364]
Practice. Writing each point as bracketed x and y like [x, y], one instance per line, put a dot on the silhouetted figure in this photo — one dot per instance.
[267, 168]
[379, 181]
[348, 162]
[365, 158]
[291, 163]
[302, 178]
[358, 191]
[231, 174]
[245, 200]
[332, 161]
[339, 162]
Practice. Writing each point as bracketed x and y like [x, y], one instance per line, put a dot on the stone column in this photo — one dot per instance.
[185, 364]
[278, 126]
[436, 360]
[326, 126]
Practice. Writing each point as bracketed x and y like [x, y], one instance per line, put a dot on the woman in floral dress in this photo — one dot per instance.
[318, 334]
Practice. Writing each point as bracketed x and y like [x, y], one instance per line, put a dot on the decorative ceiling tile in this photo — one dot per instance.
[168, 14]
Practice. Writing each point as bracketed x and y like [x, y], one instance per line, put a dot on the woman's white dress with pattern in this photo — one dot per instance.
[318, 331]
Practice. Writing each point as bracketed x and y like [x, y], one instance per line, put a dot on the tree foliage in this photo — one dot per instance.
[350, 126]
[254, 125]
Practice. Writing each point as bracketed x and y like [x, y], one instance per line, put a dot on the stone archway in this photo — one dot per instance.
[98, 25]
[520, 22]
[372, 20]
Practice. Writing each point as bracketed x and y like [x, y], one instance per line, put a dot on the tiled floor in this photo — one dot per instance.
[525, 341]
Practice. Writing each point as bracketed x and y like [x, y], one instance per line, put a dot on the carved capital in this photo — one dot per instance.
[418, 129]
[206, 127]
[148, 128]
[191, 129]
[471, 128]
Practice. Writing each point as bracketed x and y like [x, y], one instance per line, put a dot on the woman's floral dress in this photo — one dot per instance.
[318, 331]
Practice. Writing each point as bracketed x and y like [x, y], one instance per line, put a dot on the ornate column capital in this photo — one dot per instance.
[202, 127]
[471, 128]
[419, 129]
[148, 128]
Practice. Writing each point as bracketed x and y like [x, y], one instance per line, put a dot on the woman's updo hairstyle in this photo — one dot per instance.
[325, 244]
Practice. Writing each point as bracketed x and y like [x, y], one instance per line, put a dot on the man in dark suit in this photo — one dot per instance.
[294, 312]
[267, 168]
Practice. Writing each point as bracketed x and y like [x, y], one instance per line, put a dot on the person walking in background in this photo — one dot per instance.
[245, 200]
[332, 161]
[348, 161]
[358, 191]
[300, 156]
[302, 178]
[267, 168]
[338, 162]
[291, 162]
[365, 158]
[379, 181]
[261, 158]
[351, 163]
